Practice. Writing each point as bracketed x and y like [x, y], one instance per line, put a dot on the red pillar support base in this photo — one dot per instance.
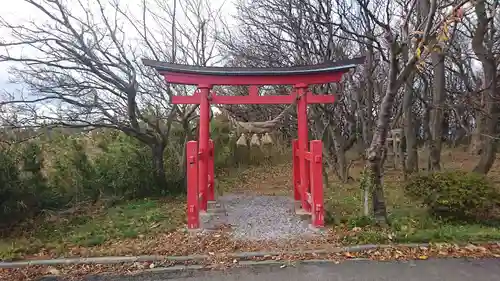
[193, 206]
[312, 195]
[296, 174]
[316, 164]
[211, 172]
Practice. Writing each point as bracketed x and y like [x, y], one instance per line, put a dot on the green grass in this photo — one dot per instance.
[409, 223]
[94, 227]
[452, 233]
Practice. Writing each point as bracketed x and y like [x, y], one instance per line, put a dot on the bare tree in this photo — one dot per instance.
[398, 75]
[484, 39]
[418, 72]
[298, 33]
[398, 36]
[83, 68]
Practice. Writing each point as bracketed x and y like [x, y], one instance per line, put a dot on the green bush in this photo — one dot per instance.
[23, 187]
[125, 170]
[36, 192]
[70, 176]
[68, 170]
[11, 194]
[62, 169]
[456, 196]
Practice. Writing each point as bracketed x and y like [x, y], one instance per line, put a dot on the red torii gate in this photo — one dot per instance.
[307, 179]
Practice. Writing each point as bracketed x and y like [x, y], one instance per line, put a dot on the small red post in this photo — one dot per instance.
[211, 174]
[317, 213]
[296, 171]
[203, 144]
[193, 218]
[303, 144]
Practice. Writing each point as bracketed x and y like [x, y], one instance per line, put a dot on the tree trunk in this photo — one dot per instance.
[367, 130]
[475, 144]
[376, 149]
[459, 136]
[339, 144]
[188, 136]
[490, 102]
[343, 168]
[427, 137]
[446, 129]
[427, 134]
[487, 156]
[436, 118]
[489, 143]
[157, 150]
[411, 164]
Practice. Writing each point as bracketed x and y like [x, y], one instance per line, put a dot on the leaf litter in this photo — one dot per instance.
[224, 261]
[217, 245]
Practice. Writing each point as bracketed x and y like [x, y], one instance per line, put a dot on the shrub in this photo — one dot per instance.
[455, 196]
[10, 192]
[37, 194]
[23, 188]
[124, 170]
[70, 174]
[63, 169]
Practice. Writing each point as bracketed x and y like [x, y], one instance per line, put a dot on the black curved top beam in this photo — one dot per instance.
[337, 66]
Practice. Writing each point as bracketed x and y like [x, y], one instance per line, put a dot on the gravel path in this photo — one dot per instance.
[263, 217]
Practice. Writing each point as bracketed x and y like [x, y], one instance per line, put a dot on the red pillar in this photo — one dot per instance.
[211, 180]
[303, 144]
[203, 145]
[296, 172]
[193, 211]
[317, 213]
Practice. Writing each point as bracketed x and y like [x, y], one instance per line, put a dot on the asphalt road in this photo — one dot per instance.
[429, 270]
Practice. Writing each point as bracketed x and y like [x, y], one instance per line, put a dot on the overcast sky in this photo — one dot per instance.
[17, 11]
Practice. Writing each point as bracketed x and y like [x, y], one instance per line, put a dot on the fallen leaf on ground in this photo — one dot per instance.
[348, 255]
[53, 271]
[220, 260]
